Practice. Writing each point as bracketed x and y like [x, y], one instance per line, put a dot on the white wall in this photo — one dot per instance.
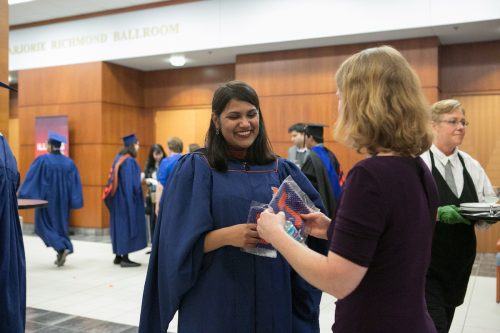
[218, 24]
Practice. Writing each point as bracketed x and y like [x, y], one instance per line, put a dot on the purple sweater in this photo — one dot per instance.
[385, 222]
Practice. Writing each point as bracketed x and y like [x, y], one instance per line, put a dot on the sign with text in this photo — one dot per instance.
[57, 124]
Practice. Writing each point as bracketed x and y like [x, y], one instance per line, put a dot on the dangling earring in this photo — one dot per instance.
[216, 131]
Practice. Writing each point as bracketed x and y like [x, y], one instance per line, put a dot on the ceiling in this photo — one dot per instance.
[42, 10]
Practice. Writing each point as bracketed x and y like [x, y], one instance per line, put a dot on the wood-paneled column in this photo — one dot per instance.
[102, 102]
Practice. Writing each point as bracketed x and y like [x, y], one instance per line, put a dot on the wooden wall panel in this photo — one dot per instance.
[120, 120]
[13, 106]
[299, 86]
[280, 112]
[14, 137]
[25, 158]
[87, 158]
[59, 85]
[122, 85]
[189, 87]
[189, 125]
[470, 68]
[431, 95]
[422, 54]
[84, 121]
[313, 70]
[103, 102]
[471, 74]
[481, 139]
[90, 216]
[487, 239]
[281, 73]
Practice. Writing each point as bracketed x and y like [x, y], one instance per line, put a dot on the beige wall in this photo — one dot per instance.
[471, 74]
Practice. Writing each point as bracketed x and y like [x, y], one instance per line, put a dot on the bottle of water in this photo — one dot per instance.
[293, 232]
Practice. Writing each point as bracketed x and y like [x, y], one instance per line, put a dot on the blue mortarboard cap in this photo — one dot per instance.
[7, 86]
[56, 139]
[129, 139]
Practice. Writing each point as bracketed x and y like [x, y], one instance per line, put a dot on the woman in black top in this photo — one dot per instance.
[156, 154]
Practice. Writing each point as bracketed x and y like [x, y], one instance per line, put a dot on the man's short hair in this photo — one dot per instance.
[298, 127]
[175, 144]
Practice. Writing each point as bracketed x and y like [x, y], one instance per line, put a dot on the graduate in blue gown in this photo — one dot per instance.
[55, 178]
[196, 265]
[124, 198]
[12, 260]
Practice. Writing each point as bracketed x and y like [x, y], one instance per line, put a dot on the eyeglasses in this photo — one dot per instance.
[455, 122]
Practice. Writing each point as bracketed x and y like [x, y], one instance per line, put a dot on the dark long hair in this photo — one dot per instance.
[150, 163]
[130, 149]
[260, 152]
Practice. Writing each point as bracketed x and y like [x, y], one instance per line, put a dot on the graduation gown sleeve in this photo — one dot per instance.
[130, 182]
[314, 170]
[35, 183]
[12, 259]
[178, 242]
[75, 189]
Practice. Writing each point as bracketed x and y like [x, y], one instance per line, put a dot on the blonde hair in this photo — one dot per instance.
[445, 106]
[383, 108]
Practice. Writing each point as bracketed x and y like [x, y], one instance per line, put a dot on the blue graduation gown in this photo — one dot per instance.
[226, 290]
[12, 261]
[127, 217]
[55, 178]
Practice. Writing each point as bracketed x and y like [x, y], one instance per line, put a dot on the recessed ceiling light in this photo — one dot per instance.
[177, 60]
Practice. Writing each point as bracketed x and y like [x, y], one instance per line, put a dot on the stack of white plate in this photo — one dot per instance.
[480, 207]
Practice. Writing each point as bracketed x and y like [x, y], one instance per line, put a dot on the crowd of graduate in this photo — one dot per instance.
[388, 240]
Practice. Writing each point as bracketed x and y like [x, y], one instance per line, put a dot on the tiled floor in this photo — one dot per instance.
[90, 294]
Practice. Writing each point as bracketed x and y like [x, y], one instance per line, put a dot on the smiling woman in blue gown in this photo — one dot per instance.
[12, 261]
[55, 178]
[196, 265]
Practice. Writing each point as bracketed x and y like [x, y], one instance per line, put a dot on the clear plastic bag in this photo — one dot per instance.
[290, 200]
[263, 248]
[293, 232]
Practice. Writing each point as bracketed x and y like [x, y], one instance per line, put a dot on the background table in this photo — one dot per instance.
[31, 203]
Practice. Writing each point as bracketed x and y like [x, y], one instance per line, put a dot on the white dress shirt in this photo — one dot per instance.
[484, 189]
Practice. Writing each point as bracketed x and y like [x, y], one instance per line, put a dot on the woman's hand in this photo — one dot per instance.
[317, 224]
[238, 235]
[270, 224]
[242, 235]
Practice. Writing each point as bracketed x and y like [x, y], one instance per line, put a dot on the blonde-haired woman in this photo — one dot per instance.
[380, 241]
